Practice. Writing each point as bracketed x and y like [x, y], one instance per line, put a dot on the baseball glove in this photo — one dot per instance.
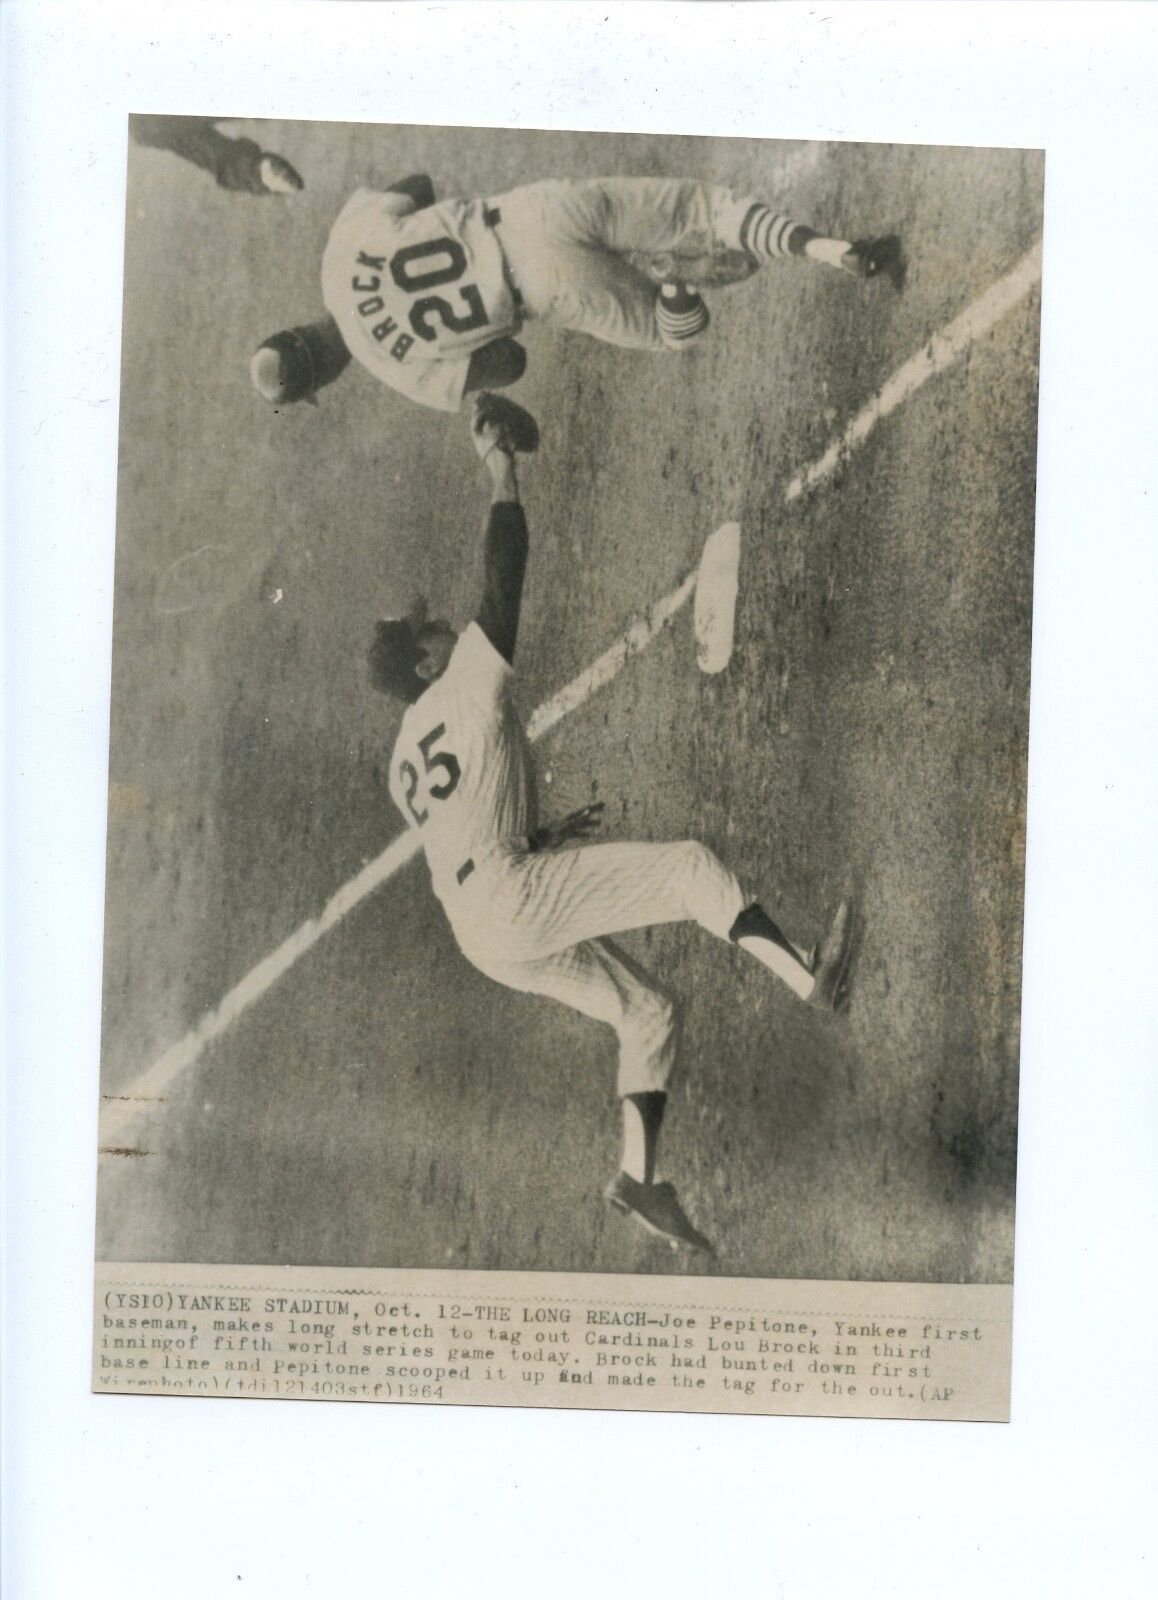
[712, 268]
[517, 428]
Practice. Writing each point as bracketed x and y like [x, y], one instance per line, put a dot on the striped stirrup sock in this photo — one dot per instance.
[680, 315]
[766, 234]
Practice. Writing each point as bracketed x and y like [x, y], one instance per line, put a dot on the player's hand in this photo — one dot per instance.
[579, 824]
[277, 176]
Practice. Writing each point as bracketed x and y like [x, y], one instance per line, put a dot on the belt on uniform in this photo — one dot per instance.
[517, 843]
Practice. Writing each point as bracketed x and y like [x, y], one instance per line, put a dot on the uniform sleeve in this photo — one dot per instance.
[476, 669]
[505, 568]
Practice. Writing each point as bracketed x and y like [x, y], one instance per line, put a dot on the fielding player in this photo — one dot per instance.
[429, 294]
[525, 913]
[236, 163]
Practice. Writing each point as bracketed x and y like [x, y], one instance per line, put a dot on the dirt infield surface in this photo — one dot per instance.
[385, 1105]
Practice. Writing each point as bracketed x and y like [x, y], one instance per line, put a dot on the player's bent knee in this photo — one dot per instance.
[652, 1026]
[695, 858]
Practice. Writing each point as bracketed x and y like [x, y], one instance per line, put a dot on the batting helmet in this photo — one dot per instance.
[295, 364]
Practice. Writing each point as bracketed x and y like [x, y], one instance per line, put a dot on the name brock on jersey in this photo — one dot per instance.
[414, 268]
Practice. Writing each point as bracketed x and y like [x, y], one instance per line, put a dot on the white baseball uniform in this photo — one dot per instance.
[461, 773]
[415, 291]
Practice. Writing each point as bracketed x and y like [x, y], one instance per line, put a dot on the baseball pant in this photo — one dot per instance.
[538, 923]
[566, 244]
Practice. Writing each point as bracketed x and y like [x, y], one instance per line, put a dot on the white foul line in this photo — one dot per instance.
[941, 351]
[612, 662]
[151, 1085]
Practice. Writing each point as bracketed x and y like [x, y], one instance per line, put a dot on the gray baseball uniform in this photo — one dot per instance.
[462, 774]
[416, 288]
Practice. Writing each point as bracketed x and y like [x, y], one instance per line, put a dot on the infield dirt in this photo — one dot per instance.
[385, 1105]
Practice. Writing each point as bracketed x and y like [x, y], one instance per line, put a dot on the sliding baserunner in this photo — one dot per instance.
[525, 912]
[429, 294]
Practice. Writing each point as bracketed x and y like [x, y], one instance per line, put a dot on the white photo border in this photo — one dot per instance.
[304, 1500]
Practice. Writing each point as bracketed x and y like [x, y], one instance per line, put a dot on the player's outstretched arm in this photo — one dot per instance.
[505, 552]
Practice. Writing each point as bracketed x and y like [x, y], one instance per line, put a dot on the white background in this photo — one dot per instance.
[178, 1498]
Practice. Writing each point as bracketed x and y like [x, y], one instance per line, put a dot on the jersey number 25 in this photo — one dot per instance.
[433, 761]
[451, 264]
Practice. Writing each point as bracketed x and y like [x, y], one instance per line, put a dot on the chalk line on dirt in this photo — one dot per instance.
[152, 1084]
[940, 352]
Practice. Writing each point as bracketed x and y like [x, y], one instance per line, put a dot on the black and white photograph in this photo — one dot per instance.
[569, 702]
[578, 798]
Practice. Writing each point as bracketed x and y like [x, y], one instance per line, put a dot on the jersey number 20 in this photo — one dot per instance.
[433, 761]
[407, 273]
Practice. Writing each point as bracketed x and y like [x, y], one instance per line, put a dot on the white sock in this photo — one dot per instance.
[793, 970]
[829, 251]
[766, 234]
[642, 1120]
[634, 1161]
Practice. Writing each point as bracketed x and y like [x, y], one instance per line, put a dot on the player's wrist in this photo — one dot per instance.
[503, 451]
[500, 464]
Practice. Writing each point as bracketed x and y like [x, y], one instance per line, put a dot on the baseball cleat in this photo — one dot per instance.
[876, 258]
[830, 969]
[277, 176]
[656, 1207]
